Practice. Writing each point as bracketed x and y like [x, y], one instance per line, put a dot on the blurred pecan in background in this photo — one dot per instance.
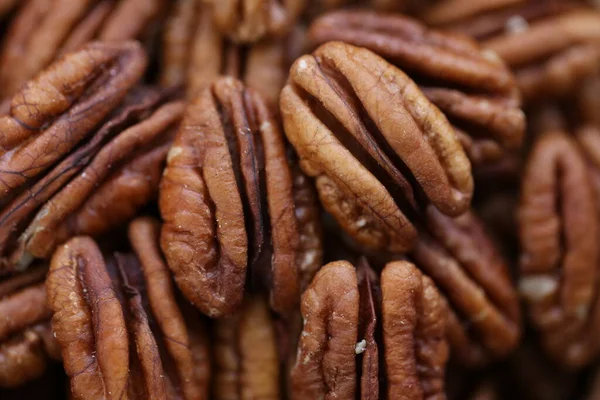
[247, 21]
[26, 342]
[341, 310]
[376, 146]
[245, 354]
[194, 53]
[122, 332]
[550, 44]
[476, 92]
[483, 313]
[89, 187]
[558, 223]
[230, 200]
[44, 29]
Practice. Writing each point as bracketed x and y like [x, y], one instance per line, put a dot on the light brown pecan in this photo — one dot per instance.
[122, 332]
[195, 53]
[228, 200]
[376, 146]
[558, 222]
[550, 45]
[476, 92]
[26, 343]
[94, 185]
[483, 308]
[44, 29]
[339, 306]
[250, 20]
[245, 354]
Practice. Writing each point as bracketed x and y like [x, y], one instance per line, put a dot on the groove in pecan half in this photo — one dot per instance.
[483, 310]
[192, 44]
[54, 112]
[26, 344]
[182, 336]
[370, 307]
[552, 55]
[245, 353]
[44, 29]
[88, 321]
[414, 333]
[558, 223]
[250, 20]
[228, 201]
[476, 92]
[374, 143]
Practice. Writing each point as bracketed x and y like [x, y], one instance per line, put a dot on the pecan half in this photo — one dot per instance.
[334, 308]
[228, 199]
[558, 224]
[26, 343]
[122, 332]
[376, 146]
[476, 92]
[195, 53]
[43, 29]
[245, 354]
[483, 307]
[250, 20]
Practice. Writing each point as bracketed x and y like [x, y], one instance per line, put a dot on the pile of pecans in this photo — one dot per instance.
[300, 199]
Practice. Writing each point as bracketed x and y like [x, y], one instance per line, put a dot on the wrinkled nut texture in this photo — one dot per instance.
[117, 339]
[228, 201]
[475, 91]
[483, 307]
[550, 45]
[191, 43]
[342, 303]
[246, 361]
[558, 227]
[373, 143]
[44, 29]
[26, 343]
[247, 21]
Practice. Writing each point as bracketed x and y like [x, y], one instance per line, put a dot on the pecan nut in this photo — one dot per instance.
[375, 145]
[339, 305]
[228, 200]
[483, 307]
[251, 20]
[122, 332]
[45, 29]
[26, 342]
[558, 224]
[195, 53]
[476, 92]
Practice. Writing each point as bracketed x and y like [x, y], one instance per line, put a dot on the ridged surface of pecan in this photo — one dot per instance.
[45, 29]
[476, 92]
[228, 200]
[26, 342]
[483, 307]
[375, 145]
[558, 224]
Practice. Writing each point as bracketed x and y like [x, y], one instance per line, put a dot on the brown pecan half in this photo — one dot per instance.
[122, 332]
[228, 200]
[476, 92]
[376, 146]
[245, 354]
[250, 20]
[558, 224]
[26, 343]
[92, 186]
[43, 29]
[338, 306]
[483, 307]
[195, 53]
